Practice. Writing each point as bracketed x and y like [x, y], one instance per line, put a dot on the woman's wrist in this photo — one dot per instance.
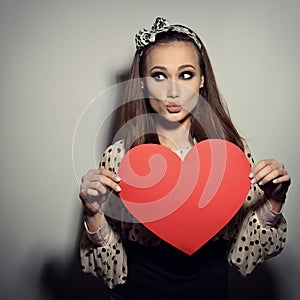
[93, 220]
[276, 205]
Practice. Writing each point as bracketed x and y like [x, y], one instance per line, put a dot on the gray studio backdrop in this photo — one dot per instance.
[56, 56]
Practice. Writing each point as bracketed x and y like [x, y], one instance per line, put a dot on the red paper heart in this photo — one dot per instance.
[185, 202]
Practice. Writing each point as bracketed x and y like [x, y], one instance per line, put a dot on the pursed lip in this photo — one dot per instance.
[174, 107]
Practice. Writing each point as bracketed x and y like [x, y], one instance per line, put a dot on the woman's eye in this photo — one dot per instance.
[158, 76]
[186, 75]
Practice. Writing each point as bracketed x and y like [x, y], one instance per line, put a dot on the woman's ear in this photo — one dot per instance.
[202, 82]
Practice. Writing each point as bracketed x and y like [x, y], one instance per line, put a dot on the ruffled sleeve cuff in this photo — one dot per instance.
[103, 235]
[266, 216]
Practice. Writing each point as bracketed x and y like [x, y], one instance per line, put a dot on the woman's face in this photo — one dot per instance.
[173, 79]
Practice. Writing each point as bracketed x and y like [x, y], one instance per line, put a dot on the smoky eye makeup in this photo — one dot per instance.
[158, 76]
[185, 72]
[186, 75]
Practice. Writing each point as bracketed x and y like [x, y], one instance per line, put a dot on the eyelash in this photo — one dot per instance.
[156, 75]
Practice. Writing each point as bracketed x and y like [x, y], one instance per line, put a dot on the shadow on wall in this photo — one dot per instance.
[61, 280]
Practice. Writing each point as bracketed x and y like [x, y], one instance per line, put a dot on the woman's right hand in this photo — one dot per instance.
[93, 189]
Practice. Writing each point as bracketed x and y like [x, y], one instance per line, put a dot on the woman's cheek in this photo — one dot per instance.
[156, 90]
[156, 105]
[191, 102]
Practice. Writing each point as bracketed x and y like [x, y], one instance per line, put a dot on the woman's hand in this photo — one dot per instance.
[273, 179]
[93, 189]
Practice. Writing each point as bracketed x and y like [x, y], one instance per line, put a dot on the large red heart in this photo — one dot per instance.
[185, 202]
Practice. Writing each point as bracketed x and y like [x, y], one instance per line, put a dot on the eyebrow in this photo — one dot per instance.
[180, 68]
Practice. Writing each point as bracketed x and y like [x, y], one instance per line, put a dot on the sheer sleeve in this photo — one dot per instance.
[105, 258]
[251, 241]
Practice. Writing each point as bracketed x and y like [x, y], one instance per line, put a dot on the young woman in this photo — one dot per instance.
[172, 99]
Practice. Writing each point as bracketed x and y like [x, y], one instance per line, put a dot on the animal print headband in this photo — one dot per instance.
[145, 37]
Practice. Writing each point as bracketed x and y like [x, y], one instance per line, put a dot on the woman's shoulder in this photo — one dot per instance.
[116, 149]
[112, 156]
[248, 152]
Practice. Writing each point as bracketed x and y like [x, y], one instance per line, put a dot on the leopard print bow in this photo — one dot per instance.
[145, 37]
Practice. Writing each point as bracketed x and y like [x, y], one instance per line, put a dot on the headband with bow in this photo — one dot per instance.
[145, 37]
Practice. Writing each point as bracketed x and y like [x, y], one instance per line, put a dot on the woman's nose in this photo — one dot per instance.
[173, 89]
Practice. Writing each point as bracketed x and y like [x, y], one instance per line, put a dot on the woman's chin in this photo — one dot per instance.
[175, 117]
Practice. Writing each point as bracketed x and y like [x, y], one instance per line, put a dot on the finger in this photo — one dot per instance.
[92, 202]
[110, 183]
[260, 165]
[281, 179]
[99, 183]
[263, 172]
[92, 172]
[82, 196]
[100, 177]
[92, 192]
[109, 174]
[90, 175]
[98, 186]
[86, 188]
[276, 173]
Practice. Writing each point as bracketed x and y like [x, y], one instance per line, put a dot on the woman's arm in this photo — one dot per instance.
[258, 231]
[101, 249]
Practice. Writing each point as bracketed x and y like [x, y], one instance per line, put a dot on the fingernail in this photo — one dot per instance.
[118, 178]
[251, 175]
[253, 180]
[261, 183]
[275, 181]
[117, 188]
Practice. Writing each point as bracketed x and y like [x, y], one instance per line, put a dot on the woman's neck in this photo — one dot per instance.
[174, 135]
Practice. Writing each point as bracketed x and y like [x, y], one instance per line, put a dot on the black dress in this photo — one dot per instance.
[163, 272]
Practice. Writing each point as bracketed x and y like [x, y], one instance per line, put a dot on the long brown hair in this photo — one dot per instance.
[209, 119]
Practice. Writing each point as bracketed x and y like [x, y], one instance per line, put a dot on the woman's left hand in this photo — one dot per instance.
[273, 179]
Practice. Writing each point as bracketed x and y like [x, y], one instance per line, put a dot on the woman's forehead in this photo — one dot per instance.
[176, 52]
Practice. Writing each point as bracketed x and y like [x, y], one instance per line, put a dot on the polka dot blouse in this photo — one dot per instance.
[255, 233]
